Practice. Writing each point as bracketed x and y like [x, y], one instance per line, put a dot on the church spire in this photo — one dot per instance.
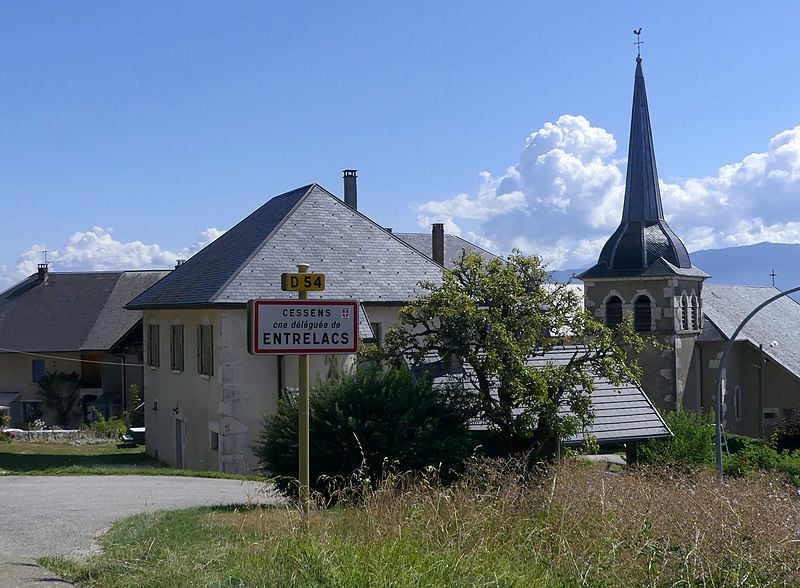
[643, 242]
[642, 195]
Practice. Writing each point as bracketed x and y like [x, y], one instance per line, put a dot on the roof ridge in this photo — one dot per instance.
[265, 240]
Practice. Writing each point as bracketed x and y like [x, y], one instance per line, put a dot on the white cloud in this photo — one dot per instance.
[97, 250]
[563, 199]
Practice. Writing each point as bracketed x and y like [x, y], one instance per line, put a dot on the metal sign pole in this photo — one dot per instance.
[303, 425]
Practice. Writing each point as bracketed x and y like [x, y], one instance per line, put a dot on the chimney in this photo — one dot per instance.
[437, 243]
[43, 273]
[350, 192]
[179, 263]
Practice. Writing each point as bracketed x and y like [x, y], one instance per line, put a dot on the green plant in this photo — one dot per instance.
[133, 415]
[692, 442]
[112, 428]
[366, 419]
[61, 394]
[493, 316]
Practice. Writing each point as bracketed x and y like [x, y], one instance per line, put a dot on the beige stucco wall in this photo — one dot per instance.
[230, 403]
[16, 376]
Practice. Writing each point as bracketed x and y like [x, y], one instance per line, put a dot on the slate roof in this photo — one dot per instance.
[643, 244]
[71, 311]
[776, 326]
[622, 413]
[359, 258]
[453, 247]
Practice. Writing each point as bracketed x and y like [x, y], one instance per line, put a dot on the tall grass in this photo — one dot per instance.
[571, 525]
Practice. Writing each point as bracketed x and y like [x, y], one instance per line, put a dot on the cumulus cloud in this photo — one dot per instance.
[97, 250]
[563, 199]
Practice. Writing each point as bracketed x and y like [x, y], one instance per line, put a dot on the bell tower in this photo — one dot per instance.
[644, 270]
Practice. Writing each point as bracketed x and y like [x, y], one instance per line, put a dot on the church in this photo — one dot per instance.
[644, 272]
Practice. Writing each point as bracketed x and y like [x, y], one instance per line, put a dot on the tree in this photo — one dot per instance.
[61, 394]
[491, 318]
[366, 418]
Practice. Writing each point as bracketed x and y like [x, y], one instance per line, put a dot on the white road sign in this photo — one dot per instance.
[303, 326]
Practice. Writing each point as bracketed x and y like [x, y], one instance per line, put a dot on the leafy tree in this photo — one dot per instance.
[491, 318]
[133, 415]
[363, 419]
[692, 442]
[61, 395]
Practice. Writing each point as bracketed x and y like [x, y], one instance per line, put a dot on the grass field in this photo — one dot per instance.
[572, 525]
[87, 458]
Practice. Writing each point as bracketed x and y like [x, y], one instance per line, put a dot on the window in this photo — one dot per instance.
[91, 370]
[176, 347]
[152, 346]
[213, 440]
[377, 330]
[613, 311]
[642, 313]
[686, 313]
[697, 317]
[205, 350]
[37, 370]
[737, 403]
[31, 410]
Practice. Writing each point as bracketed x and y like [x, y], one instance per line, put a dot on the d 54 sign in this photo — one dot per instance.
[297, 282]
[302, 326]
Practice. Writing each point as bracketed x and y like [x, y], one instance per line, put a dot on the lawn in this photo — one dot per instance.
[571, 525]
[87, 457]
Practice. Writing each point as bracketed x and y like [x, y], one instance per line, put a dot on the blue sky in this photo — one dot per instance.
[134, 132]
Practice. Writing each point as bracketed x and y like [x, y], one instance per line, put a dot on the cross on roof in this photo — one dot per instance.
[638, 42]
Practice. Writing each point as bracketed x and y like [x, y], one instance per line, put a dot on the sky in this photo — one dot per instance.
[134, 133]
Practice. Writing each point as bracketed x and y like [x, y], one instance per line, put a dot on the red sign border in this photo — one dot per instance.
[252, 323]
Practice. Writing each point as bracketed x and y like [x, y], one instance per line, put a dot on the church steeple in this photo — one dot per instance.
[643, 242]
[642, 195]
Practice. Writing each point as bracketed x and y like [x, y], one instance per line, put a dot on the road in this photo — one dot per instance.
[49, 516]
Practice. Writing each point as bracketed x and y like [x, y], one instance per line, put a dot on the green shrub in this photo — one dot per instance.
[363, 420]
[110, 428]
[692, 442]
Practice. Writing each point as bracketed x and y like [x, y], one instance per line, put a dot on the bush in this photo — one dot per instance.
[692, 442]
[363, 420]
[112, 428]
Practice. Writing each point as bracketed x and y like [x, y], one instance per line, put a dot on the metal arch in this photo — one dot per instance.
[721, 370]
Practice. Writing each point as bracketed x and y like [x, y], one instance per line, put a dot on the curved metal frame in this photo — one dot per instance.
[721, 370]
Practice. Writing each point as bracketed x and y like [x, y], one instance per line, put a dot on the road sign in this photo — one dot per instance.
[298, 282]
[302, 326]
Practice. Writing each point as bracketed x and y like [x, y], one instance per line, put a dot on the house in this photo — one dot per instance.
[71, 322]
[645, 271]
[206, 394]
[443, 248]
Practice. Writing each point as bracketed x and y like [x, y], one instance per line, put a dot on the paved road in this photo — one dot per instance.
[44, 516]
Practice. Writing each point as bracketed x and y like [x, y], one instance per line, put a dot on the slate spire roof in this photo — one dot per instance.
[359, 258]
[643, 236]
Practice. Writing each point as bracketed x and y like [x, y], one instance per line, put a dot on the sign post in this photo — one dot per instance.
[303, 327]
[304, 423]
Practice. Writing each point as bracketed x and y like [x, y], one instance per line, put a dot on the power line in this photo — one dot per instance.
[70, 358]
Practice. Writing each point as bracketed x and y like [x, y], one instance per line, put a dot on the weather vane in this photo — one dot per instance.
[638, 42]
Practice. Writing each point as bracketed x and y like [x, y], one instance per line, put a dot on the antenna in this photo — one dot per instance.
[45, 252]
[638, 42]
[772, 275]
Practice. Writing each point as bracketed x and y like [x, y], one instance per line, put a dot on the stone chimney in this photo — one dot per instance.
[350, 192]
[437, 243]
[44, 273]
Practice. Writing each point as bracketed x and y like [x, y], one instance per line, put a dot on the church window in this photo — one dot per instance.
[642, 314]
[696, 315]
[613, 312]
[685, 313]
